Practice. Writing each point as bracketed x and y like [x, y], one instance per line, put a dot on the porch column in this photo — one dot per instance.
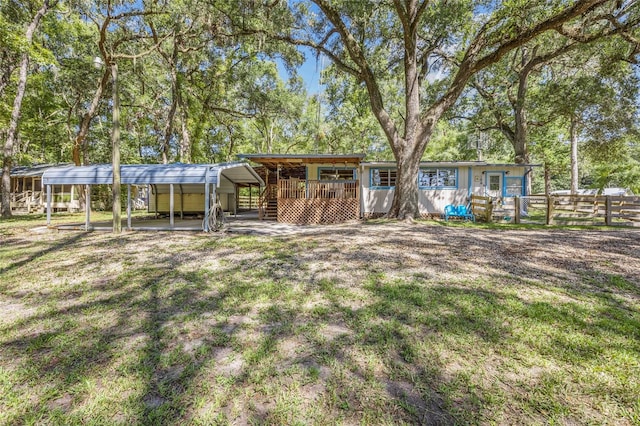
[72, 192]
[205, 224]
[129, 207]
[87, 207]
[171, 222]
[48, 205]
[181, 202]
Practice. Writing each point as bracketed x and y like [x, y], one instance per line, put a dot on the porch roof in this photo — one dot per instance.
[143, 174]
[34, 171]
[296, 160]
[449, 164]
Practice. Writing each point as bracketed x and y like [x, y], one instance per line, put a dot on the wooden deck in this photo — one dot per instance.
[318, 202]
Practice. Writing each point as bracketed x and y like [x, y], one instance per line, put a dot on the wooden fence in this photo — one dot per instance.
[247, 202]
[560, 210]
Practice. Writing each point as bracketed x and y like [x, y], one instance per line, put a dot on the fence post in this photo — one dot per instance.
[607, 216]
[516, 214]
[490, 210]
[550, 201]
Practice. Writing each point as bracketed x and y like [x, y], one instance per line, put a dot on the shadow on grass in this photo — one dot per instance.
[169, 339]
[57, 246]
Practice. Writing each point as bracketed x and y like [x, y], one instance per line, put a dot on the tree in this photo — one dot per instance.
[119, 27]
[596, 106]
[434, 49]
[12, 132]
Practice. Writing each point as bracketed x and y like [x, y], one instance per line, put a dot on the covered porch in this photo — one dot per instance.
[309, 188]
[27, 195]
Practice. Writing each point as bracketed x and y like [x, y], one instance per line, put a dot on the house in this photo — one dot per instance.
[442, 183]
[27, 195]
[296, 188]
[324, 188]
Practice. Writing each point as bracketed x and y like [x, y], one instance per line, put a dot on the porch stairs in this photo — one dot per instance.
[268, 203]
[27, 202]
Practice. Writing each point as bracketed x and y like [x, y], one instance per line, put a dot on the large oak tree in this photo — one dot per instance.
[430, 50]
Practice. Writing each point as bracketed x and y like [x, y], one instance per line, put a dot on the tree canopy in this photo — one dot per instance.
[200, 81]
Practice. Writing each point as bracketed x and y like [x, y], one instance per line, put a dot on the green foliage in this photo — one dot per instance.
[237, 90]
[450, 144]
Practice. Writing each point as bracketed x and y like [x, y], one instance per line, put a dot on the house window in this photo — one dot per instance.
[513, 186]
[438, 178]
[337, 174]
[494, 183]
[383, 178]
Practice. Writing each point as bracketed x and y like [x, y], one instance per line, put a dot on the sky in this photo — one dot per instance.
[309, 70]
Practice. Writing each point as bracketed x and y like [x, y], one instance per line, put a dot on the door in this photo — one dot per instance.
[494, 184]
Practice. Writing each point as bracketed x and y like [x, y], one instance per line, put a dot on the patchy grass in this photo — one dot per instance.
[381, 323]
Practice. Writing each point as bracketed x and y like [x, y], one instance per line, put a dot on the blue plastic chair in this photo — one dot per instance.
[465, 213]
[450, 210]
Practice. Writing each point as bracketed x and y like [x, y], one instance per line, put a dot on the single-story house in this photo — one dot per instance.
[173, 188]
[27, 194]
[324, 188]
[442, 183]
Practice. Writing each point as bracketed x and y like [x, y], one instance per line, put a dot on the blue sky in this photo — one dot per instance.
[309, 70]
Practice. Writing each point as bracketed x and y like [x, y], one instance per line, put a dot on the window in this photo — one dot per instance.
[337, 174]
[383, 178]
[494, 183]
[514, 186]
[438, 178]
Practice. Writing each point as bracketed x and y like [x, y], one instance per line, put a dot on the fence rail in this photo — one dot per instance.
[248, 202]
[560, 210]
[315, 189]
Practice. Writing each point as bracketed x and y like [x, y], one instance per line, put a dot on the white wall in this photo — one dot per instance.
[471, 180]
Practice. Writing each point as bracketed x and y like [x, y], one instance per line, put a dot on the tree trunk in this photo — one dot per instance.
[547, 179]
[80, 143]
[115, 147]
[574, 154]
[185, 142]
[408, 150]
[12, 133]
[521, 125]
[405, 205]
[168, 128]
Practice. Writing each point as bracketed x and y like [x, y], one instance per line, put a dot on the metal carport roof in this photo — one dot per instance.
[140, 174]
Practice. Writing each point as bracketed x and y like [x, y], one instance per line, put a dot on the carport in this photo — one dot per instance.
[211, 178]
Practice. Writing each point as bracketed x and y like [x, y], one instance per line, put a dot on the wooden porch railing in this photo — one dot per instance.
[266, 201]
[315, 189]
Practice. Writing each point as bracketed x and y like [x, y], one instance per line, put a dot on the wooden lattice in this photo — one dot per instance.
[423, 215]
[315, 211]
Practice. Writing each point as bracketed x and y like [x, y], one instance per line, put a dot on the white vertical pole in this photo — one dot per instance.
[171, 205]
[87, 206]
[205, 226]
[48, 205]
[129, 207]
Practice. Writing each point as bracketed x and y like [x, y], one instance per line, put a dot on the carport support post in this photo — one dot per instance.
[129, 207]
[48, 205]
[171, 222]
[87, 207]
[205, 226]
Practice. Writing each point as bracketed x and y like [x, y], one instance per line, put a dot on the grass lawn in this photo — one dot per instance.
[372, 323]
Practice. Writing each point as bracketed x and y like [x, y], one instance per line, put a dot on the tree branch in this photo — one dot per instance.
[366, 73]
